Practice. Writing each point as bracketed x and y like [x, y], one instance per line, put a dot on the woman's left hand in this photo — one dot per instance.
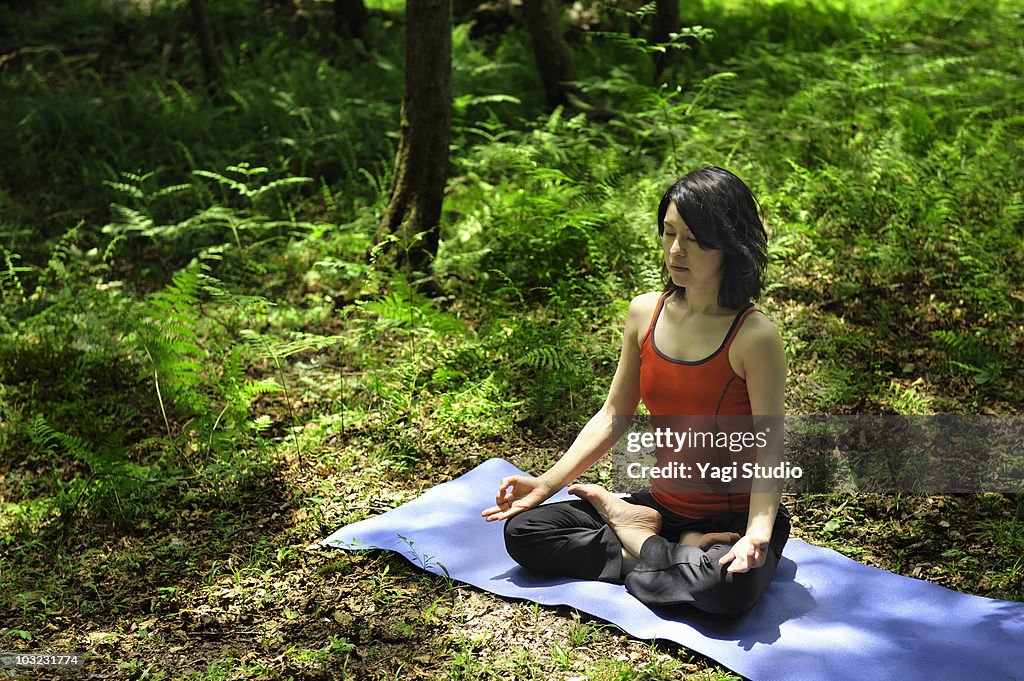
[746, 554]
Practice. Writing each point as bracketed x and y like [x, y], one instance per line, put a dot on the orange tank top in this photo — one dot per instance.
[690, 397]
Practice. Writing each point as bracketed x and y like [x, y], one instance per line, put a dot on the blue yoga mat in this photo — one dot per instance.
[824, 617]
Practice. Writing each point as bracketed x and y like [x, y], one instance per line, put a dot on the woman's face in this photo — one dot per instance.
[689, 265]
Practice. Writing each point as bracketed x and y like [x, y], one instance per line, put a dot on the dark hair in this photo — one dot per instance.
[723, 215]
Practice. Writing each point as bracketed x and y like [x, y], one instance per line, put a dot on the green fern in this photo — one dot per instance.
[966, 353]
[294, 342]
[130, 220]
[544, 358]
[11, 289]
[168, 343]
[141, 192]
[56, 273]
[248, 190]
[107, 461]
[112, 479]
[237, 392]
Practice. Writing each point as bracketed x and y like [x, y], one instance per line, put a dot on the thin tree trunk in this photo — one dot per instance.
[350, 17]
[666, 22]
[207, 49]
[544, 22]
[421, 164]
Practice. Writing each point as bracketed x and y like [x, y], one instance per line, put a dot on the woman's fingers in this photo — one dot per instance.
[751, 555]
[502, 500]
[495, 513]
[504, 491]
[516, 493]
[492, 514]
[738, 563]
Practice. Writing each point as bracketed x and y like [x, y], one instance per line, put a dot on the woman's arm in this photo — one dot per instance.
[518, 492]
[764, 365]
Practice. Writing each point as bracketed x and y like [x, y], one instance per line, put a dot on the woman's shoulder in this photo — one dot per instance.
[758, 333]
[641, 308]
[645, 301]
[641, 311]
[758, 320]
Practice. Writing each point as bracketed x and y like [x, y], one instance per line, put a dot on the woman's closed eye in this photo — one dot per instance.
[689, 237]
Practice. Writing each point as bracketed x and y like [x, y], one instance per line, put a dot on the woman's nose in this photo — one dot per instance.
[676, 247]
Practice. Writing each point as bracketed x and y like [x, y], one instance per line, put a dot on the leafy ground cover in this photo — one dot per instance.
[200, 373]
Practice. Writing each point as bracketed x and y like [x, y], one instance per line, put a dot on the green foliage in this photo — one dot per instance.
[562, 357]
[261, 216]
[288, 103]
[168, 343]
[967, 352]
[542, 210]
[108, 483]
[796, 26]
[83, 368]
[484, 78]
[247, 190]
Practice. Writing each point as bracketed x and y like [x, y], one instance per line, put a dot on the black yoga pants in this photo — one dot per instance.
[569, 539]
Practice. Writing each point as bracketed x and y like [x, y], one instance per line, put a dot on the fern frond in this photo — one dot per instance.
[270, 347]
[129, 220]
[167, 336]
[244, 169]
[170, 190]
[234, 185]
[247, 304]
[543, 358]
[125, 188]
[277, 184]
[252, 389]
[10, 282]
[56, 443]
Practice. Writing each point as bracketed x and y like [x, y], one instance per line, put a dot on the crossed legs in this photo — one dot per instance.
[663, 559]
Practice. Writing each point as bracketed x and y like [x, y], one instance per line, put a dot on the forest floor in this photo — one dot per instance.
[226, 586]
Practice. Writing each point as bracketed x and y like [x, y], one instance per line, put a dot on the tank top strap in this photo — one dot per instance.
[654, 317]
[737, 325]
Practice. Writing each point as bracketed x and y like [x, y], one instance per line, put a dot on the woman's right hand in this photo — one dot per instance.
[516, 494]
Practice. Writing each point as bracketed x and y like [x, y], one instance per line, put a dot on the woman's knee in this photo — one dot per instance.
[731, 602]
[521, 525]
[521, 535]
[701, 583]
[738, 594]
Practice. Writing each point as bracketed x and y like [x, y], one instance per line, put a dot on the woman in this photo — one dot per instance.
[697, 349]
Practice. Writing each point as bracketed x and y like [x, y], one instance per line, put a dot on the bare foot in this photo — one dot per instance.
[632, 524]
[704, 541]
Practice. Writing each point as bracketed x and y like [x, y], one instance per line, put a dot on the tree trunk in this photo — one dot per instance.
[207, 49]
[544, 21]
[349, 17]
[421, 164]
[666, 22]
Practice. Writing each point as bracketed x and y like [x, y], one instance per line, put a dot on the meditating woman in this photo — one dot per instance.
[698, 352]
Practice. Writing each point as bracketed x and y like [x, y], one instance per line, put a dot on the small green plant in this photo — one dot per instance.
[965, 352]
[561, 657]
[428, 563]
[465, 666]
[581, 633]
